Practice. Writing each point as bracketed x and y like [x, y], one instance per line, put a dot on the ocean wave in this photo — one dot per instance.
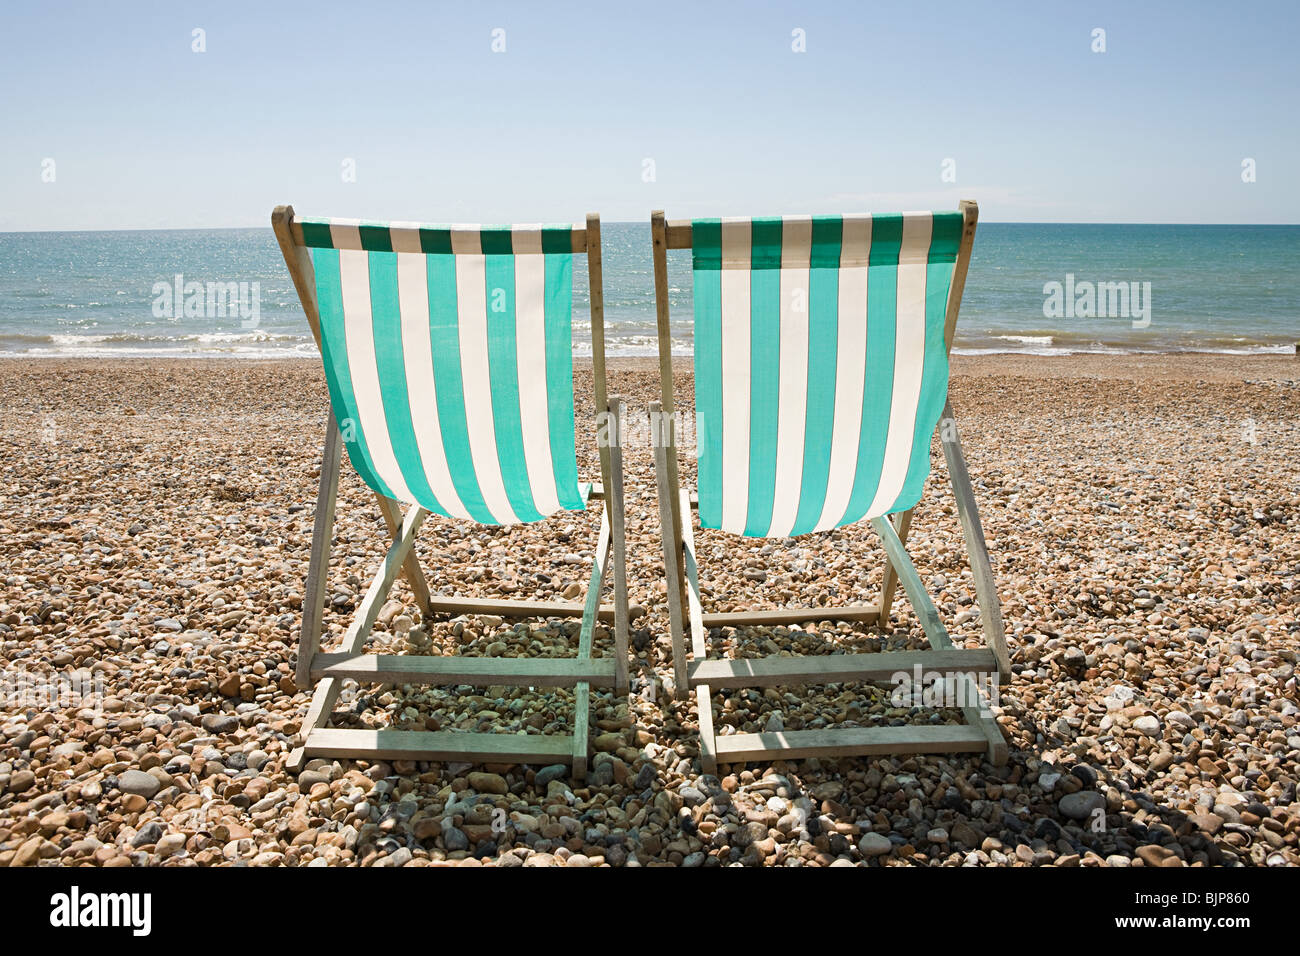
[1097, 349]
[639, 339]
[75, 340]
[69, 338]
[238, 351]
[252, 335]
[72, 340]
[634, 345]
[244, 343]
[1073, 341]
[1027, 339]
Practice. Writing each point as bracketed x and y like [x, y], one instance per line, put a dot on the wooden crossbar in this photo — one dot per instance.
[834, 668]
[479, 671]
[678, 233]
[506, 608]
[577, 233]
[440, 745]
[866, 614]
[851, 742]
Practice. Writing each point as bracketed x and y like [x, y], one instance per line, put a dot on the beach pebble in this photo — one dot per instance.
[454, 838]
[874, 844]
[1081, 805]
[139, 783]
[169, 845]
[488, 783]
[1147, 725]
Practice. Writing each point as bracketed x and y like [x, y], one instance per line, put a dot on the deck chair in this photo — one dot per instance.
[447, 353]
[821, 371]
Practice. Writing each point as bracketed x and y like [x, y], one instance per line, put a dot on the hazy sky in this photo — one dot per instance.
[143, 132]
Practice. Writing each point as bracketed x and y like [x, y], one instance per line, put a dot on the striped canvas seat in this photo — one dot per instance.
[448, 353]
[820, 366]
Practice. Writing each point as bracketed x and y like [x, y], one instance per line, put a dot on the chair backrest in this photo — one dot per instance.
[821, 364]
[448, 353]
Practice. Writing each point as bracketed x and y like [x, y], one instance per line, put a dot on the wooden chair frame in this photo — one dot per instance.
[325, 671]
[980, 733]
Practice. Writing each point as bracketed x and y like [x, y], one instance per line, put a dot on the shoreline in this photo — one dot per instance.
[1169, 366]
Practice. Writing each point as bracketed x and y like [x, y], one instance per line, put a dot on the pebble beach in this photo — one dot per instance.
[1143, 517]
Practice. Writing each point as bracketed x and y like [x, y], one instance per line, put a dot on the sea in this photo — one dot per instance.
[1041, 289]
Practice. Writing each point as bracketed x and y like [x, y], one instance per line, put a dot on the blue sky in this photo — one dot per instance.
[146, 133]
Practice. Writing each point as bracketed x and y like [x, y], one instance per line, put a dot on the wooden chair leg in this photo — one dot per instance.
[902, 524]
[414, 574]
[695, 614]
[617, 516]
[910, 578]
[672, 547]
[986, 592]
[582, 691]
[323, 700]
[313, 601]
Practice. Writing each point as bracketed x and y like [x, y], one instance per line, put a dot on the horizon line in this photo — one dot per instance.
[637, 222]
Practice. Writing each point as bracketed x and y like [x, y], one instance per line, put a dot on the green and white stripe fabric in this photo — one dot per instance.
[820, 366]
[448, 352]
